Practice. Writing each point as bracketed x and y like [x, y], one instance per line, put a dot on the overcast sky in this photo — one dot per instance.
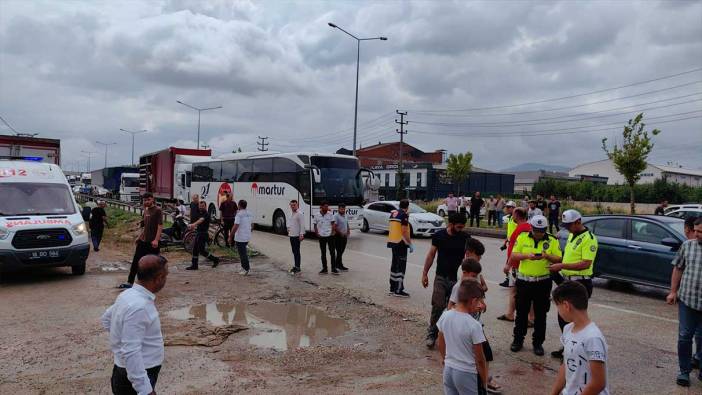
[81, 70]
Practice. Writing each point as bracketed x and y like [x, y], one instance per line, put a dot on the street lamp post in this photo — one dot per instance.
[199, 112]
[133, 133]
[358, 60]
[106, 145]
[90, 154]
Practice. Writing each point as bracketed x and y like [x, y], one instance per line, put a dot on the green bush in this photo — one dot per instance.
[645, 193]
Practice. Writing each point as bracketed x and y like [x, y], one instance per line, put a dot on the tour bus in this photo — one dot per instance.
[268, 181]
[40, 221]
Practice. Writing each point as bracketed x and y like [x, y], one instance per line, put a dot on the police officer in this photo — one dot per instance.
[202, 225]
[578, 257]
[534, 251]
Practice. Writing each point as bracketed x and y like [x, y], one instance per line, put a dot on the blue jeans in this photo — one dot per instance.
[690, 325]
[499, 218]
[243, 254]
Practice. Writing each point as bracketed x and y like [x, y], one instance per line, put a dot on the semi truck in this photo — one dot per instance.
[31, 148]
[110, 178]
[167, 174]
[129, 188]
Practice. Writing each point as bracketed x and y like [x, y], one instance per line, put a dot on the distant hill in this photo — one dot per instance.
[534, 167]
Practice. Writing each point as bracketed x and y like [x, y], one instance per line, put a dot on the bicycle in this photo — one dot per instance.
[218, 238]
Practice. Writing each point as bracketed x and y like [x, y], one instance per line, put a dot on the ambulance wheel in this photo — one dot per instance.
[78, 270]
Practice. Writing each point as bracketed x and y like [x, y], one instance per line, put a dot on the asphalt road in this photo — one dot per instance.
[641, 330]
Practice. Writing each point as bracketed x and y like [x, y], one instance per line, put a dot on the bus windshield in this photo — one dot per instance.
[341, 181]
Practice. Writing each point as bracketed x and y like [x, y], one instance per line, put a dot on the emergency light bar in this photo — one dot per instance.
[28, 158]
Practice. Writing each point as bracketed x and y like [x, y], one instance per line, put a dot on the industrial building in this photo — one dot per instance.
[605, 168]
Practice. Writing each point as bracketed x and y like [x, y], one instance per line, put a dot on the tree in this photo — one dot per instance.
[630, 158]
[236, 150]
[458, 167]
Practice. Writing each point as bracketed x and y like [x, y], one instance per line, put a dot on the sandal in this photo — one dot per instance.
[494, 388]
[503, 317]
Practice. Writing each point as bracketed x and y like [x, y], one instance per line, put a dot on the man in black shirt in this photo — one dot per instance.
[194, 208]
[541, 204]
[98, 220]
[476, 203]
[450, 245]
[554, 212]
[660, 210]
[202, 225]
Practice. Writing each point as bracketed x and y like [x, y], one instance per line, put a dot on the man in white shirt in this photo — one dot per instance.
[135, 330]
[451, 203]
[296, 233]
[241, 233]
[324, 229]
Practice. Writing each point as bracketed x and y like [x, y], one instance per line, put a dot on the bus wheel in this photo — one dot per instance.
[279, 225]
[212, 211]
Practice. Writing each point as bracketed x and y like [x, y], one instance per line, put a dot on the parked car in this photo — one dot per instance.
[685, 212]
[376, 216]
[677, 207]
[442, 211]
[634, 248]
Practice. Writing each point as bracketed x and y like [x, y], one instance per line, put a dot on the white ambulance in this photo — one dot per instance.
[40, 221]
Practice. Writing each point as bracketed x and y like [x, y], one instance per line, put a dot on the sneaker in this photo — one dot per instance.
[538, 350]
[391, 292]
[191, 268]
[683, 380]
[244, 272]
[401, 294]
[505, 283]
[294, 270]
[516, 346]
[334, 271]
[557, 354]
[430, 341]
[215, 262]
[324, 271]
[124, 286]
[343, 268]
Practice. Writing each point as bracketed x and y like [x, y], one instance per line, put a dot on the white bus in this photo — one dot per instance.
[268, 181]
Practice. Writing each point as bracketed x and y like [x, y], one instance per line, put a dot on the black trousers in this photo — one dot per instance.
[243, 254]
[492, 217]
[588, 285]
[553, 221]
[142, 249]
[121, 384]
[200, 248]
[96, 236]
[398, 267]
[340, 246]
[323, 243]
[295, 245]
[439, 301]
[227, 225]
[537, 294]
[476, 216]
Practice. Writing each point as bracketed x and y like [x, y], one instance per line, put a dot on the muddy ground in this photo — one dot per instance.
[52, 341]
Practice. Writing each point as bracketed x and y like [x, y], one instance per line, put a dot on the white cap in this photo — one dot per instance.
[510, 204]
[570, 216]
[538, 222]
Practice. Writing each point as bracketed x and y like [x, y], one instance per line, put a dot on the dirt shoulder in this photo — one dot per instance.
[53, 342]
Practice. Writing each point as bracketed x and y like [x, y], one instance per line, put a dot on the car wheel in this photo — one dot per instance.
[78, 270]
[442, 213]
[365, 228]
[279, 224]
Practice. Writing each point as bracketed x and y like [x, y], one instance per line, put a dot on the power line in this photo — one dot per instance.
[567, 97]
[572, 118]
[8, 125]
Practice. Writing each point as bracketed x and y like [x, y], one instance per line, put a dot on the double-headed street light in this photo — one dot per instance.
[358, 58]
[199, 111]
[106, 145]
[133, 133]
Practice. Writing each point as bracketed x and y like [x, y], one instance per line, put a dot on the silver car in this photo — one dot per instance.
[376, 216]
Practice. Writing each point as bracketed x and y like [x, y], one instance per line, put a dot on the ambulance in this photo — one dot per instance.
[40, 221]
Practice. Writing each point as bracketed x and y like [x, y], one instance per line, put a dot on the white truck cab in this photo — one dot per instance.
[40, 221]
[129, 188]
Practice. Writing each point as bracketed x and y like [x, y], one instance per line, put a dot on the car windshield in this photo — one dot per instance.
[341, 181]
[23, 198]
[414, 209]
[679, 226]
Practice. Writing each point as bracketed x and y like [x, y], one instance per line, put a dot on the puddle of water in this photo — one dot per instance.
[277, 326]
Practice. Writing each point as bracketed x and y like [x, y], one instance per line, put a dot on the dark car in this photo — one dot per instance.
[635, 248]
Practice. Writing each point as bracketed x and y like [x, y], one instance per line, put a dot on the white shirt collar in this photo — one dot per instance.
[144, 291]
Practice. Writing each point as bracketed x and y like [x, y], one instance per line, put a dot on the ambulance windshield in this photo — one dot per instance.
[23, 198]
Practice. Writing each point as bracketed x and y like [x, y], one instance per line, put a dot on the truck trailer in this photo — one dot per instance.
[167, 173]
[31, 148]
[110, 178]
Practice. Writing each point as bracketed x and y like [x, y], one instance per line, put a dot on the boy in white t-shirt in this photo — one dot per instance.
[461, 343]
[584, 367]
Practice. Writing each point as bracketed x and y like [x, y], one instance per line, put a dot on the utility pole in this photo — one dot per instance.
[90, 154]
[402, 133]
[106, 145]
[262, 145]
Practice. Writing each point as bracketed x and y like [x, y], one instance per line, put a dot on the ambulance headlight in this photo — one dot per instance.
[4, 233]
[80, 229]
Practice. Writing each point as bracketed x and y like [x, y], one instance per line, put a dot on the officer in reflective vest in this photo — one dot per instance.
[578, 257]
[399, 241]
[533, 251]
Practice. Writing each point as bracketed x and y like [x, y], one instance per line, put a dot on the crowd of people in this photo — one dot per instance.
[534, 262]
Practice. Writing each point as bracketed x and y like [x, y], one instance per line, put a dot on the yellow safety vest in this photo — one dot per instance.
[526, 244]
[582, 247]
[398, 220]
[511, 227]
